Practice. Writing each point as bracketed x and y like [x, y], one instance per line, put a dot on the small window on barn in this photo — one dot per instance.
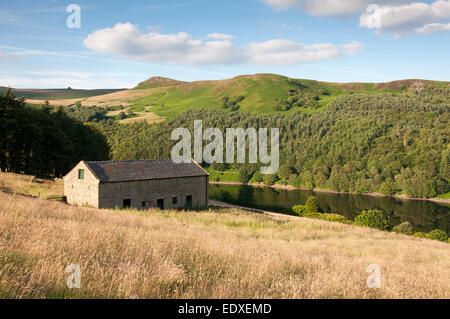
[174, 200]
[143, 204]
[81, 174]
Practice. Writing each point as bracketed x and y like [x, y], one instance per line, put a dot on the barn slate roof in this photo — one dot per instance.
[123, 171]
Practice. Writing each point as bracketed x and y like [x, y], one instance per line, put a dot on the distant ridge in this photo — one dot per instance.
[58, 94]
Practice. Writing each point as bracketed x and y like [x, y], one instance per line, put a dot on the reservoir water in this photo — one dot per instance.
[423, 215]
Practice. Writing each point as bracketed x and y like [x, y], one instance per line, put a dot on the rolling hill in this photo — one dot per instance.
[259, 93]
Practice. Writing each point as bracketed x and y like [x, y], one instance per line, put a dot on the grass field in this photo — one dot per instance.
[223, 253]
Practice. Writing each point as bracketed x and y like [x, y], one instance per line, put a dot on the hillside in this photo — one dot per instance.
[216, 253]
[259, 93]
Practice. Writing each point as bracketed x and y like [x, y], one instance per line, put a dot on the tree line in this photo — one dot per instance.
[44, 143]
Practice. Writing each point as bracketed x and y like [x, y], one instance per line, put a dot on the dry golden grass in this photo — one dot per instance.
[116, 98]
[149, 117]
[207, 254]
[25, 184]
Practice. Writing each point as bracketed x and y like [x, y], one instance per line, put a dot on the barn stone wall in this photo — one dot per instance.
[81, 192]
[111, 195]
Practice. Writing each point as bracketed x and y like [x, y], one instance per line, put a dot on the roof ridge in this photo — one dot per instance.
[132, 170]
[139, 160]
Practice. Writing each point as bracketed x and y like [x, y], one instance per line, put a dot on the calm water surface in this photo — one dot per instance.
[423, 215]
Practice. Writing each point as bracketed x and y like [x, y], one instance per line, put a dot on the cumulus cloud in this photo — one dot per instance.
[281, 52]
[433, 28]
[417, 17]
[127, 41]
[329, 7]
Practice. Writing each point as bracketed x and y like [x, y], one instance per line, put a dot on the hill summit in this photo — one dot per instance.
[157, 81]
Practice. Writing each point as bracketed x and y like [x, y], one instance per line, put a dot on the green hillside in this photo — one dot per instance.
[58, 94]
[260, 93]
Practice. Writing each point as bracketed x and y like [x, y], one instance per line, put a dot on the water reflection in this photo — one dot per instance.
[423, 215]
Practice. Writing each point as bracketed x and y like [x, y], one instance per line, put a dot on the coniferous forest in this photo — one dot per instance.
[45, 143]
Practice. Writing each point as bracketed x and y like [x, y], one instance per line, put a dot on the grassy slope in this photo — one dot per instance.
[168, 98]
[58, 94]
[208, 254]
[261, 92]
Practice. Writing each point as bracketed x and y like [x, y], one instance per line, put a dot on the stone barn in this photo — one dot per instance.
[137, 184]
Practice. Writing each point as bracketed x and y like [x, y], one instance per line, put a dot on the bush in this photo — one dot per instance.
[437, 234]
[244, 175]
[373, 218]
[257, 177]
[403, 228]
[419, 234]
[312, 204]
[335, 218]
[313, 215]
[299, 210]
[122, 116]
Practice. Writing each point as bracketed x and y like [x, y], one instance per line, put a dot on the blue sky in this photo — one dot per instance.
[121, 43]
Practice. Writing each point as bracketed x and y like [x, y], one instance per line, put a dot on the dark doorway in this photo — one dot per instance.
[160, 203]
[126, 203]
[189, 201]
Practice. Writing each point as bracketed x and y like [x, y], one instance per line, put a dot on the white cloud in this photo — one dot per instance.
[417, 17]
[328, 7]
[9, 57]
[220, 36]
[283, 52]
[127, 41]
[433, 28]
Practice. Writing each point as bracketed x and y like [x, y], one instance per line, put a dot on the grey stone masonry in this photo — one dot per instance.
[106, 185]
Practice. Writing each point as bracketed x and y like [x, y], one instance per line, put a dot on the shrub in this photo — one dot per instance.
[299, 210]
[257, 177]
[373, 218]
[419, 234]
[312, 204]
[244, 175]
[403, 228]
[122, 116]
[437, 234]
[313, 215]
[335, 218]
